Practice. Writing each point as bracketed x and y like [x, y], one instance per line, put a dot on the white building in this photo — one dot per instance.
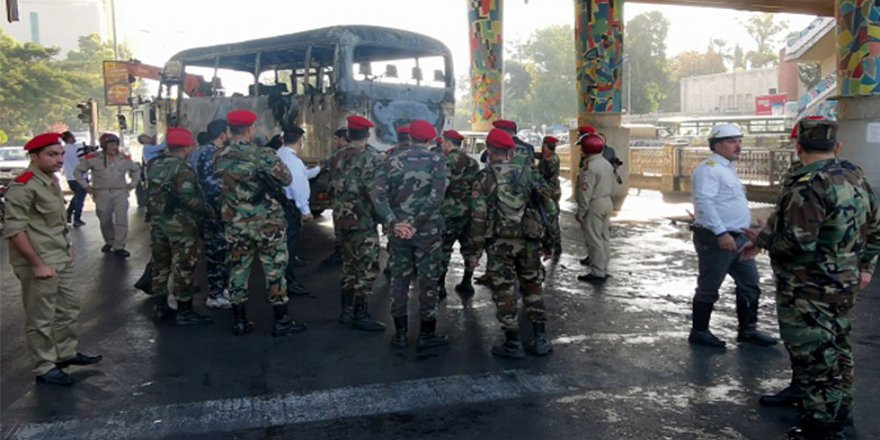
[60, 23]
[727, 93]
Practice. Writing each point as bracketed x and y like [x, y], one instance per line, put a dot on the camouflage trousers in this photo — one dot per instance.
[269, 244]
[817, 337]
[175, 253]
[216, 250]
[457, 228]
[510, 260]
[421, 256]
[360, 259]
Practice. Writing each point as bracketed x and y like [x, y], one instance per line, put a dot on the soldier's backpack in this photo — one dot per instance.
[515, 213]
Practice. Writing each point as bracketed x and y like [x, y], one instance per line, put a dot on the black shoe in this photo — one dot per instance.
[362, 320]
[585, 261]
[283, 324]
[511, 348]
[805, 431]
[240, 323]
[79, 359]
[335, 259]
[346, 315]
[122, 253]
[540, 345]
[482, 280]
[753, 336]
[106, 248]
[161, 311]
[55, 376]
[186, 316]
[145, 282]
[399, 340]
[299, 262]
[593, 279]
[789, 396]
[78, 223]
[428, 337]
[705, 338]
[295, 288]
[441, 292]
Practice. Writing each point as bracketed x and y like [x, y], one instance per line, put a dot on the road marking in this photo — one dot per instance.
[265, 411]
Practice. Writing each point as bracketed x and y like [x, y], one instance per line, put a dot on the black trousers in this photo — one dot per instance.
[294, 225]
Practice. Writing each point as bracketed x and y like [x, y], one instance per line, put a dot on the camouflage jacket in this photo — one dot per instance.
[824, 231]
[409, 188]
[485, 210]
[245, 200]
[548, 167]
[174, 197]
[523, 153]
[352, 170]
[461, 170]
[202, 160]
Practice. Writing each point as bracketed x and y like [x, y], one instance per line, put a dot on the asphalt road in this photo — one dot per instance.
[621, 368]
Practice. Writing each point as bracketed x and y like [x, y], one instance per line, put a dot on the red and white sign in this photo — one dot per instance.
[770, 104]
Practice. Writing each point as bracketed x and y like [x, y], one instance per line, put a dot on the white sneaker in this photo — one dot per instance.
[172, 302]
[219, 302]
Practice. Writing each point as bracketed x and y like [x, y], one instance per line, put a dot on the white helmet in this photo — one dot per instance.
[724, 131]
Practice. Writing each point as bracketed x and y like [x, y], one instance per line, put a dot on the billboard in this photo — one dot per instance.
[117, 89]
[770, 104]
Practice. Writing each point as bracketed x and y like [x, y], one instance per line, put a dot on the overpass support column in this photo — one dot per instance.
[858, 61]
[599, 52]
[487, 61]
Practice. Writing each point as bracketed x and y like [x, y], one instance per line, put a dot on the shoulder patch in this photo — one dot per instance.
[806, 178]
[711, 162]
[90, 156]
[25, 177]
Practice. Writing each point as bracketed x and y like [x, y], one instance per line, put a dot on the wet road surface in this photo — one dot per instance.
[621, 368]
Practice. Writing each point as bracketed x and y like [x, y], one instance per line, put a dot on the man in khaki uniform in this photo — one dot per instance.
[109, 189]
[594, 206]
[42, 259]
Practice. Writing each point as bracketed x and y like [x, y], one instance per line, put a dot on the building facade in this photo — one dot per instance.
[60, 23]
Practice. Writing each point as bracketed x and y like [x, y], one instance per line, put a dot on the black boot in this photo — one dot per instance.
[747, 315]
[335, 259]
[482, 280]
[240, 323]
[789, 396]
[145, 282]
[700, 334]
[539, 346]
[283, 324]
[401, 326]
[161, 311]
[465, 289]
[362, 320]
[512, 348]
[428, 337]
[187, 316]
[441, 287]
[346, 315]
[809, 430]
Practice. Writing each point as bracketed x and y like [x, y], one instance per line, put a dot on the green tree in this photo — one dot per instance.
[765, 30]
[646, 63]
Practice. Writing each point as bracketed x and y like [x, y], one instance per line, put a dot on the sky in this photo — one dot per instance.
[160, 28]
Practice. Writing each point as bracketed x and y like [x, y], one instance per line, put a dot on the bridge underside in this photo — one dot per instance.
[814, 7]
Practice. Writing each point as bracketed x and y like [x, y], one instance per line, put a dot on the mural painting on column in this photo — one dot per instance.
[599, 36]
[858, 27]
[484, 17]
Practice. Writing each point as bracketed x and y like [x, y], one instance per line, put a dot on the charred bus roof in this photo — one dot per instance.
[373, 43]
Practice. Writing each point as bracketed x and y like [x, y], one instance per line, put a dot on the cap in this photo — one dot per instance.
[794, 130]
[505, 124]
[422, 131]
[500, 139]
[586, 129]
[591, 143]
[43, 140]
[241, 118]
[106, 138]
[454, 135]
[550, 140]
[725, 131]
[403, 129]
[817, 133]
[358, 123]
[341, 132]
[294, 129]
[178, 137]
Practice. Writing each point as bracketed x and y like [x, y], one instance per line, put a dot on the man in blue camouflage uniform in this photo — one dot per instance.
[211, 227]
[407, 195]
[352, 170]
[176, 204]
[507, 199]
[253, 221]
[823, 240]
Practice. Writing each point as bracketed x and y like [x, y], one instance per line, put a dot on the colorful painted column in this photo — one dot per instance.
[858, 40]
[599, 49]
[487, 61]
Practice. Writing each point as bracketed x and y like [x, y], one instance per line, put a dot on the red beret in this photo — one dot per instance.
[107, 138]
[794, 130]
[584, 129]
[500, 139]
[504, 124]
[452, 134]
[358, 123]
[43, 140]
[403, 129]
[241, 118]
[550, 140]
[422, 131]
[592, 144]
[179, 137]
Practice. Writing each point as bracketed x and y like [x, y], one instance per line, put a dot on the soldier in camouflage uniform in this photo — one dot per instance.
[211, 228]
[352, 170]
[548, 167]
[176, 204]
[253, 222]
[523, 152]
[823, 240]
[407, 195]
[507, 200]
[461, 170]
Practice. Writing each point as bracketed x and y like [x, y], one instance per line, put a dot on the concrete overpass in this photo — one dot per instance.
[812, 7]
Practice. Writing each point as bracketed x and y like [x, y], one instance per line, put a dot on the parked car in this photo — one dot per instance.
[13, 161]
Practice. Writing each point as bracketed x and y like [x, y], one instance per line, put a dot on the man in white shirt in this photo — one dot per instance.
[297, 192]
[71, 160]
[722, 213]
